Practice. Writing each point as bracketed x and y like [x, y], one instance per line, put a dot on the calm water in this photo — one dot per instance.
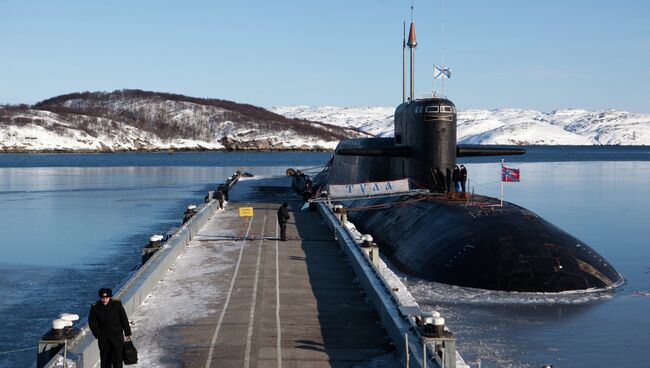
[73, 223]
[603, 203]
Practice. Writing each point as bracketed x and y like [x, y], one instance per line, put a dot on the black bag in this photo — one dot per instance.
[129, 353]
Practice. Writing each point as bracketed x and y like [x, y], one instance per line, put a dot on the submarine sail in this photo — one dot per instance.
[441, 235]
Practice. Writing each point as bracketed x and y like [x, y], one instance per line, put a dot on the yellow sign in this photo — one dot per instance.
[245, 211]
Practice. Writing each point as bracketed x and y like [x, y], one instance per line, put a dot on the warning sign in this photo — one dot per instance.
[245, 211]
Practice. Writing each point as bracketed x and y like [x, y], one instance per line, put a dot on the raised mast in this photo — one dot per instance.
[404, 63]
[412, 43]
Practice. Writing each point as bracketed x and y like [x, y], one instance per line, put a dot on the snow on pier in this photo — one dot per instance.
[239, 297]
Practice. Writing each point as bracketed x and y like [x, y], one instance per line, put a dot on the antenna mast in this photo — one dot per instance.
[412, 43]
[404, 63]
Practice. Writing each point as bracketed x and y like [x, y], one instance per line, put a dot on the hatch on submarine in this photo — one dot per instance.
[440, 236]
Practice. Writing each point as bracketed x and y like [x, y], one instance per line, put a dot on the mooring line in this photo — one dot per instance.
[251, 317]
[225, 305]
[277, 299]
[17, 350]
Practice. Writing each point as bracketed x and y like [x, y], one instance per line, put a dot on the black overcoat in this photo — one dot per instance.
[283, 215]
[109, 324]
[455, 176]
[463, 174]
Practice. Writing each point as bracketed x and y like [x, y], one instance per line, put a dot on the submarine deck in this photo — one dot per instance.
[273, 303]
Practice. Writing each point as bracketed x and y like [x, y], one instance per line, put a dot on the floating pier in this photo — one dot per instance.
[323, 298]
[287, 303]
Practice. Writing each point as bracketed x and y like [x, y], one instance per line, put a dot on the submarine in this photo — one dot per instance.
[442, 236]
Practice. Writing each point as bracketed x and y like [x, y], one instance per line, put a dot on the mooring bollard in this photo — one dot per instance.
[151, 248]
[371, 249]
[438, 326]
[427, 321]
[69, 317]
[344, 216]
[58, 325]
[432, 329]
[189, 212]
[57, 338]
[366, 240]
[154, 241]
[338, 210]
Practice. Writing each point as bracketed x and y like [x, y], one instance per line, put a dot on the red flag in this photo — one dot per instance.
[509, 174]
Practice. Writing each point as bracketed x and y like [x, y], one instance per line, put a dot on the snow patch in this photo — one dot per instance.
[182, 296]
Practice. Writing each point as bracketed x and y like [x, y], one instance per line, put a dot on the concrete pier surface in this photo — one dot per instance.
[239, 297]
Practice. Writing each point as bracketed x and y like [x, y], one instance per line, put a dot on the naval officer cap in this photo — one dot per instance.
[105, 292]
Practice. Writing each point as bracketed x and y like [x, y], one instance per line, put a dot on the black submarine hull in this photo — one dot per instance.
[480, 245]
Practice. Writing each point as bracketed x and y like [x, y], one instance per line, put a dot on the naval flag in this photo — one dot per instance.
[509, 174]
[441, 72]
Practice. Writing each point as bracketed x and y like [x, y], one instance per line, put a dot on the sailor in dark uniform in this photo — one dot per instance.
[224, 189]
[307, 193]
[283, 217]
[455, 176]
[463, 177]
[220, 198]
[110, 326]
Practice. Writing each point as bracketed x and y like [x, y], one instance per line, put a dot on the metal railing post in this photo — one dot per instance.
[65, 354]
[406, 341]
[424, 354]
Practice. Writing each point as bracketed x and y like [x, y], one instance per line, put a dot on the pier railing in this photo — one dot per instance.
[83, 350]
[404, 321]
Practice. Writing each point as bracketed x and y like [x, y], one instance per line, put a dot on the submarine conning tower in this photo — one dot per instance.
[424, 147]
[428, 128]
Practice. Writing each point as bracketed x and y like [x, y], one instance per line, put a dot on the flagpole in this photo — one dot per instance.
[433, 94]
[502, 160]
[443, 86]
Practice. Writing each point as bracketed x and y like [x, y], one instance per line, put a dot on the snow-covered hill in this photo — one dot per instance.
[502, 126]
[35, 130]
[139, 120]
[377, 120]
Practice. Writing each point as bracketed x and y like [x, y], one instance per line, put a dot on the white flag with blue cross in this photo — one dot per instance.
[441, 72]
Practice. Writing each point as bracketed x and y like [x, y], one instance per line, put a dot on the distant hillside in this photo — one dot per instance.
[141, 120]
[502, 126]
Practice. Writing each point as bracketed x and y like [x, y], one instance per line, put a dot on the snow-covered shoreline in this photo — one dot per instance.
[134, 120]
[506, 126]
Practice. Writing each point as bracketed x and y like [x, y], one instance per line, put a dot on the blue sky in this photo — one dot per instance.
[543, 55]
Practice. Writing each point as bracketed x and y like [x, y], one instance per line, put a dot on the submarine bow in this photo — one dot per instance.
[481, 246]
